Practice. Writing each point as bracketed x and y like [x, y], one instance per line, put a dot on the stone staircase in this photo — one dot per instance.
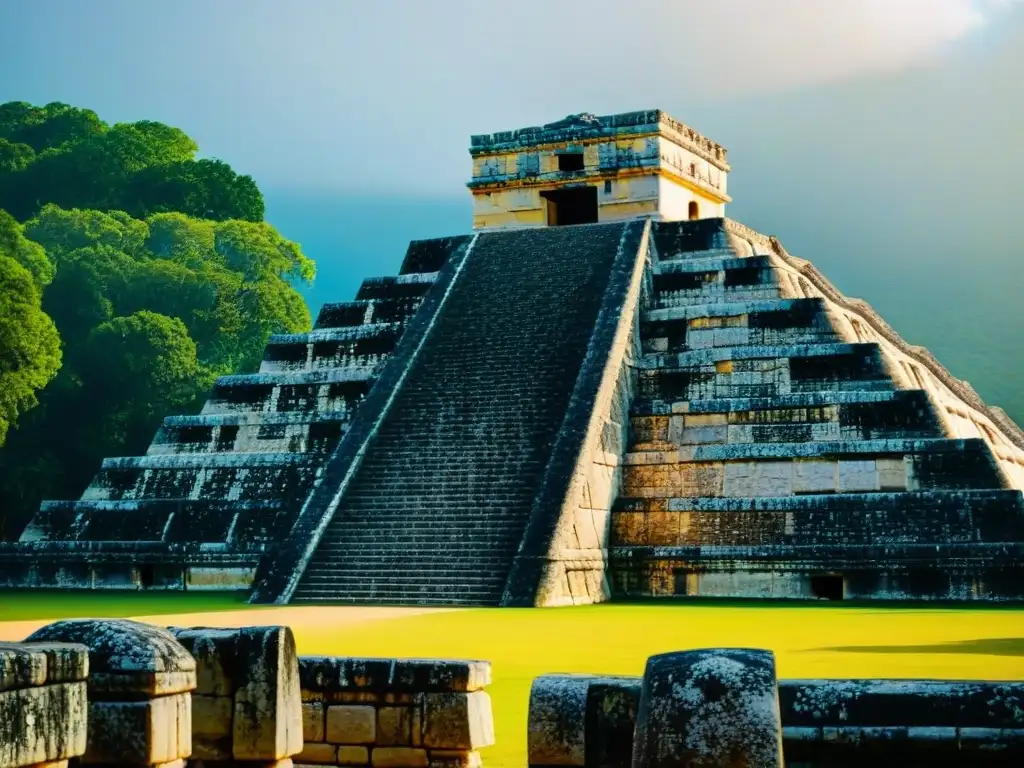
[217, 490]
[769, 458]
[435, 512]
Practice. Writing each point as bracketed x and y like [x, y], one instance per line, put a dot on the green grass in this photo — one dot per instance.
[809, 640]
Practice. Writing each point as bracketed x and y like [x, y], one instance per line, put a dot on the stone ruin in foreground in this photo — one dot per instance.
[108, 693]
[607, 390]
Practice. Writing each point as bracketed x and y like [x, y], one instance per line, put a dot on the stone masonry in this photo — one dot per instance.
[395, 713]
[724, 708]
[530, 415]
[127, 693]
[42, 703]
[215, 491]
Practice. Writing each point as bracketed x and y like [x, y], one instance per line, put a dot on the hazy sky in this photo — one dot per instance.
[345, 94]
[883, 139]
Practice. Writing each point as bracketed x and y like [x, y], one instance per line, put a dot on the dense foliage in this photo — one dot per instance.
[68, 156]
[155, 269]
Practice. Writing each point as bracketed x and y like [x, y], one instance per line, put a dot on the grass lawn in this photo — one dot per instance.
[809, 640]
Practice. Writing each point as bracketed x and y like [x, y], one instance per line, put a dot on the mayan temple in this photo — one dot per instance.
[607, 390]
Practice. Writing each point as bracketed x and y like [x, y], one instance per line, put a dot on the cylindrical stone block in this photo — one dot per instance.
[714, 708]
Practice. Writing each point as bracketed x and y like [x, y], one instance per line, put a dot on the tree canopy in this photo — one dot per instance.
[68, 156]
[29, 343]
[137, 274]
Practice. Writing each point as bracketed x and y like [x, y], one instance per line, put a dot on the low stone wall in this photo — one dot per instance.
[42, 703]
[118, 692]
[389, 713]
[607, 722]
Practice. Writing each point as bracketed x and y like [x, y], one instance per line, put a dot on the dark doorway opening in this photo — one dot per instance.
[694, 210]
[570, 161]
[147, 576]
[827, 587]
[577, 205]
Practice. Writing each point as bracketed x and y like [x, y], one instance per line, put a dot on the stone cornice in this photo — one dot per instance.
[586, 128]
[555, 179]
[866, 313]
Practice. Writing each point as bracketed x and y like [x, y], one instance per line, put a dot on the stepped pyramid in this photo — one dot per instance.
[608, 390]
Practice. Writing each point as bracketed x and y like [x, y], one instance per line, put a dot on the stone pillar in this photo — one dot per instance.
[139, 692]
[246, 706]
[42, 703]
[582, 720]
[716, 708]
[395, 713]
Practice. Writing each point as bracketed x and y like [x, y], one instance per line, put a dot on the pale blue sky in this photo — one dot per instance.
[880, 138]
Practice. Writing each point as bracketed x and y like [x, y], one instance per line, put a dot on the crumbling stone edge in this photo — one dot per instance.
[962, 389]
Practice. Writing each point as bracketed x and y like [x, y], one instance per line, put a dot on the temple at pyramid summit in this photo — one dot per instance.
[605, 390]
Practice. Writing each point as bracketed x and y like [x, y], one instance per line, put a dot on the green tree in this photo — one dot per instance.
[149, 312]
[30, 352]
[206, 189]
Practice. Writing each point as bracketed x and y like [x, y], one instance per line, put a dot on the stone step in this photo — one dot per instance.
[937, 555]
[256, 419]
[709, 261]
[825, 519]
[708, 357]
[797, 400]
[354, 313]
[413, 285]
[209, 461]
[330, 597]
[671, 315]
[365, 346]
[714, 293]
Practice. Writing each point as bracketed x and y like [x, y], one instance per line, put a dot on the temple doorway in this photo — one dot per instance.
[575, 205]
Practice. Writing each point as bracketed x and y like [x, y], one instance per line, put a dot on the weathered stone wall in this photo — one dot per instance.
[390, 713]
[42, 703]
[642, 164]
[960, 408]
[118, 692]
[724, 708]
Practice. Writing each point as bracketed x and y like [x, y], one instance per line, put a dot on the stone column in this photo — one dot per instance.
[716, 708]
[42, 703]
[139, 692]
[582, 720]
[246, 706]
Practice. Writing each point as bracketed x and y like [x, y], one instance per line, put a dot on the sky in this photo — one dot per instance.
[879, 138]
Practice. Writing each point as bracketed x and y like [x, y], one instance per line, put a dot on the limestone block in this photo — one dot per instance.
[716, 708]
[21, 666]
[214, 652]
[758, 478]
[855, 476]
[814, 477]
[394, 726]
[317, 752]
[313, 714]
[334, 673]
[42, 723]
[351, 724]
[458, 720]
[892, 474]
[126, 656]
[211, 727]
[268, 709]
[353, 756]
[399, 757]
[140, 732]
[556, 728]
